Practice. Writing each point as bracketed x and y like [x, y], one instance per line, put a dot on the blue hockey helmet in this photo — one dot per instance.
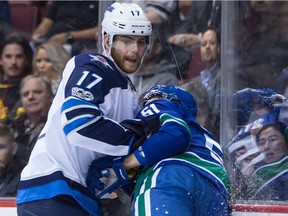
[174, 93]
[244, 99]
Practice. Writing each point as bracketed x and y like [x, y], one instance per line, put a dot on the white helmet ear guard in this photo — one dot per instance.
[125, 19]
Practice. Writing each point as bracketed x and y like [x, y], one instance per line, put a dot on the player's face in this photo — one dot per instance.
[156, 97]
[272, 144]
[44, 65]
[128, 51]
[13, 61]
[34, 96]
[209, 47]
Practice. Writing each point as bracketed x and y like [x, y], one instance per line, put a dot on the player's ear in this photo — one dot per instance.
[106, 41]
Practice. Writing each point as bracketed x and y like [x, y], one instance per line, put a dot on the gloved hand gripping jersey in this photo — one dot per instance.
[142, 129]
[107, 174]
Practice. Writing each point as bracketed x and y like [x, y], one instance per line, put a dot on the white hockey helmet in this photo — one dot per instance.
[125, 19]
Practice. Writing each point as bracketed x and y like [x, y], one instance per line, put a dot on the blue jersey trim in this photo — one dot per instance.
[72, 102]
[54, 188]
[76, 124]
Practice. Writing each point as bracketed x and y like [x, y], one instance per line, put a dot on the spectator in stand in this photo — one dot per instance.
[15, 63]
[270, 180]
[156, 70]
[273, 153]
[10, 164]
[265, 164]
[254, 108]
[36, 97]
[202, 14]
[50, 60]
[210, 78]
[69, 22]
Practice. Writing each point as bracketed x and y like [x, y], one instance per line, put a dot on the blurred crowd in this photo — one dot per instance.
[186, 52]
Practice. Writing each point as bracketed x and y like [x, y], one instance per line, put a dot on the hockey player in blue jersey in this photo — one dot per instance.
[182, 171]
[93, 96]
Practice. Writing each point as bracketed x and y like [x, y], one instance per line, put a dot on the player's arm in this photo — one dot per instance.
[173, 137]
[87, 101]
[131, 162]
[170, 137]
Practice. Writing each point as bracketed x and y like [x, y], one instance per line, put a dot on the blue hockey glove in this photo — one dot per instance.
[107, 174]
[97, 173]
[118, 178]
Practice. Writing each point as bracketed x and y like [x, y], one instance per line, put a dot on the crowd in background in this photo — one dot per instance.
[186, 52]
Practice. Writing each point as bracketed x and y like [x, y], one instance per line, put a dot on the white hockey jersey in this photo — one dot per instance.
[82, 125]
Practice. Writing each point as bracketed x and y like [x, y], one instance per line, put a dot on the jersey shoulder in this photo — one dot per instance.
[161, 106]
[94, 59]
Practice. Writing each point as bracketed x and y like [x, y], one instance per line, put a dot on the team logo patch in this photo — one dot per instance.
[101, 60]
[141, 152]
[81, 93]
[110, 8]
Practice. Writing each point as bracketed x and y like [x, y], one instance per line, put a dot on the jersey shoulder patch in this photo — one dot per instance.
[100, 59]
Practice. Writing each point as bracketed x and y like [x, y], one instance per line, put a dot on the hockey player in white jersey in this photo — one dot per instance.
[93, 96]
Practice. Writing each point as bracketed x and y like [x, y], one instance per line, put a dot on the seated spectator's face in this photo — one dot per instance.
[272, 144]
[35, 97]
[44, 65]
[13, 61]
[128, 51]
[209, 47]
[7, 151]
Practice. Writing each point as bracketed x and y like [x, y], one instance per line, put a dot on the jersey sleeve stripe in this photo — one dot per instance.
[72, 101]
[78, 123]
[75, 107]
[165, 118]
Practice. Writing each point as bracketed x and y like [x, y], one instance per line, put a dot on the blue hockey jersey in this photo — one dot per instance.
[181, 140]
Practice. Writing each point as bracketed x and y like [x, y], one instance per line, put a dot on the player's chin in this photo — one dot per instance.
[131, 68]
